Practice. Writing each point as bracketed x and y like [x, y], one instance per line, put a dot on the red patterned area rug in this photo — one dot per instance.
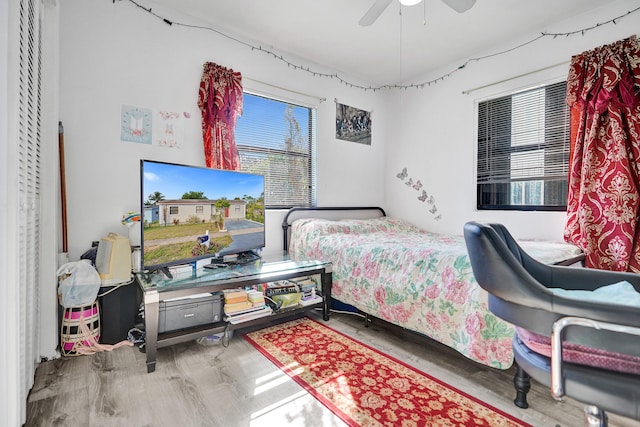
[365, 387]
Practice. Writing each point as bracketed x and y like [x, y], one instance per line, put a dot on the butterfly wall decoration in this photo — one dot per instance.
[403, 174]
[423, 196]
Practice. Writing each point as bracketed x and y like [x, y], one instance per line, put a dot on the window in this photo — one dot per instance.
[173, 210]
[277, 139]
[199, 209]
[523, 150]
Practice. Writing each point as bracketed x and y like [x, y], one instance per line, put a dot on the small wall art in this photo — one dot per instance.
[135, 124]
[423, 196]
[353, 124]
[162, 128]
[168, 129]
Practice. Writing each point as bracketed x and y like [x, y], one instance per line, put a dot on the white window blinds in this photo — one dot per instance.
[277, 139]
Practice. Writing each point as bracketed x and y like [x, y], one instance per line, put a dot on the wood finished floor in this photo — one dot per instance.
[196, 385]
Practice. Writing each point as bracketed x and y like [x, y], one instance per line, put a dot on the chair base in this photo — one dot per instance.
[613, 391]
[595, 417]
[522, 382]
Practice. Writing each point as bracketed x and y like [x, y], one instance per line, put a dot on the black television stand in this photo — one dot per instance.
[247, 257]
[235, 259]
[163, 270]
[166, 272]
[214, 265]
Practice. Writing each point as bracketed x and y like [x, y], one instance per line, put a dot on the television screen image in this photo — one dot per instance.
[192, 213]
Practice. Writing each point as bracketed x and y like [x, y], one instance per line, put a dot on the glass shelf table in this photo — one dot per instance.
[157, 287]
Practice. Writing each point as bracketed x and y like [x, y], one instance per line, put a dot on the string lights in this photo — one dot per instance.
[345, 82]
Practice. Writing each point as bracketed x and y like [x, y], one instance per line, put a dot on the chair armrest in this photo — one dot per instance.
[577, 278]
[557, 386]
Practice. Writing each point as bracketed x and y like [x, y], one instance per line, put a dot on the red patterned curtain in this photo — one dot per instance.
[603, 204]
[220, 101]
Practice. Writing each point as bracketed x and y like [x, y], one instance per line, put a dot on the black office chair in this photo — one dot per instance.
[518, 288]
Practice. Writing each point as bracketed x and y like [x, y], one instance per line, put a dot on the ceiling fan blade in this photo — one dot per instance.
[460, 5]
[374, 12]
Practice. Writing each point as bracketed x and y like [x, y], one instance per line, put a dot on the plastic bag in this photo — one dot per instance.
[79, 283]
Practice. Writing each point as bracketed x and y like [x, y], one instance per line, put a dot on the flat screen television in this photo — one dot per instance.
[191, 213]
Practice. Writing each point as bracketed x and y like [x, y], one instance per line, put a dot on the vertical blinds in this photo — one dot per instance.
[524, 136]
[277, 140]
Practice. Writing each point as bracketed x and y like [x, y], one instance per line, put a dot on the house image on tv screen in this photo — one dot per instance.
[182, 210]
[151, 214]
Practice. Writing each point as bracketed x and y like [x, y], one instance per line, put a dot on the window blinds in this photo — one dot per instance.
[277, 140]
[524, 136]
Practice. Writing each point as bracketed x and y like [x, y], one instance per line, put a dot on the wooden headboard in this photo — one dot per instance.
[332, 213]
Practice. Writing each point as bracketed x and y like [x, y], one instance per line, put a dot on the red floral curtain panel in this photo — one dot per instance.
[603, 204]
[220, 101]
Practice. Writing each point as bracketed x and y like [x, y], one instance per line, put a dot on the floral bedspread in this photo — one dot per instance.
[419, 280]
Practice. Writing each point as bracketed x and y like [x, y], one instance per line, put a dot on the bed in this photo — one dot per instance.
[418, 280]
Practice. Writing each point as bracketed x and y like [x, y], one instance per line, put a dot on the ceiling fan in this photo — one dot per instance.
[380, 5]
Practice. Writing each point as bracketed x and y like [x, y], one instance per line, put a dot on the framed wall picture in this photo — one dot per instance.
[135, 124]
[353, 124]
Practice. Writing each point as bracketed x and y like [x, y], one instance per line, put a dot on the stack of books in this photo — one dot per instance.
[283, 292]
[281, 287]
[235, 301]
[256, 298]
[239, 307]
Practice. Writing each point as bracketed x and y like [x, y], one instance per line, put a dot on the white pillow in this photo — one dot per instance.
[621, 293]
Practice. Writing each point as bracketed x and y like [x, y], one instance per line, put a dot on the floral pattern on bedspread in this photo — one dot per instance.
[419, 280]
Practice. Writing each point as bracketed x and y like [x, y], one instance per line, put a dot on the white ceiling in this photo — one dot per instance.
[398, 47]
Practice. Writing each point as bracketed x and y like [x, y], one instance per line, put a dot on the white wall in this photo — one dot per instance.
[432, 131]
[115, 53]
[435, 127]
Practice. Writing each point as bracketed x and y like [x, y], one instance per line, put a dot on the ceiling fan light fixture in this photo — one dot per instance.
[409, 2]
[460, 6]
[379, 6]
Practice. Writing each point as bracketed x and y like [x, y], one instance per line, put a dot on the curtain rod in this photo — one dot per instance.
[319, 98]
[468, 91]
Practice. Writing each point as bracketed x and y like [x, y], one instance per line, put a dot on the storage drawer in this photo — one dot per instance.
[188, 312]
